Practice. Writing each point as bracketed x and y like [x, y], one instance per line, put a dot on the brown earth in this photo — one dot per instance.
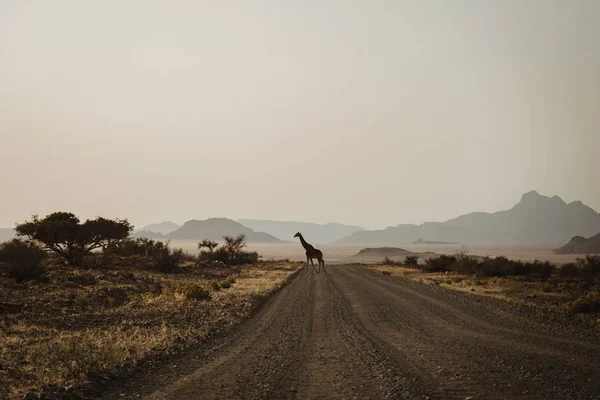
[356, 333]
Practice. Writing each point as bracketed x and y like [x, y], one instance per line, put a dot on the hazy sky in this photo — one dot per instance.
[372, 113]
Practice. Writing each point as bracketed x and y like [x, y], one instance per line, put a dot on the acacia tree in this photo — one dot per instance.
[209, 244]
[64, 235]
[233, 245]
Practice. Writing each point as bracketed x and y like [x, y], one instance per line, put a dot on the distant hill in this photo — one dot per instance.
[148, 235]
[6, 234]
[216, 228]
[163, 227]
[317, 233]
[535, 219]
[378, 254]
[421, 241]
[581, 245]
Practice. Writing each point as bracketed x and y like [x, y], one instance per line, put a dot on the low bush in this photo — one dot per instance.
[442, 263]
[590, 267]
[489, 267]
[586, 269]
[169, 260]
[23, 260]
[569, 270]
[465, 265]
[411, 261]
[589, 303]
[222, 255]
[389, 261]
[502, 266]
[193, 291]
[227, 282]
[141, 250]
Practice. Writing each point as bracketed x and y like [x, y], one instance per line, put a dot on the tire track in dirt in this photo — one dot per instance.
[464, 353]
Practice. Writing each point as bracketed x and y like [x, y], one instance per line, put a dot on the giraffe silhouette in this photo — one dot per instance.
[311, 253]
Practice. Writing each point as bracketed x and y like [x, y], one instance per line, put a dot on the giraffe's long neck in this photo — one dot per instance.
[304, 243]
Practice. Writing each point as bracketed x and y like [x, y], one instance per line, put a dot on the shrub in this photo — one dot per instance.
[569, 270]
[502, 266]
[169, 260]
[164, 258]
[465, 265]
[193, 291]
[442, 263]
[590, 267]
[229, 254]
[142, 247]
[539, 269]
[499, 266]
[388, 261]
[585, 304]
[224, 284]
[23, 259]
[218, 255]
[411, 261]
[227, 282]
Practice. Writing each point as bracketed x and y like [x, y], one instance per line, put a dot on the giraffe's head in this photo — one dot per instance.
[297, 234]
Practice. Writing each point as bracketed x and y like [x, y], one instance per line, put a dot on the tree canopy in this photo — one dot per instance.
[63, 234]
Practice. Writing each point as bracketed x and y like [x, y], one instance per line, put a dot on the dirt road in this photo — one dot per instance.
[355, 333]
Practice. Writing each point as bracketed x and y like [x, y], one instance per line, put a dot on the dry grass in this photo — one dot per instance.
[88, 323]
[555, 294]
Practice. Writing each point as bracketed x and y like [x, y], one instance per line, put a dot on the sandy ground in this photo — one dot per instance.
[356, 333]
[337, 253]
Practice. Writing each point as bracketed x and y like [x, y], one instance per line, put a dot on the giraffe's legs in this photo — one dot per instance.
[313, 265]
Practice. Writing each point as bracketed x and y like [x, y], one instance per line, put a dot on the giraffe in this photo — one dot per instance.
[311, 253]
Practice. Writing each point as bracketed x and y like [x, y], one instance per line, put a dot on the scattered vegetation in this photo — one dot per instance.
[23, 260]
[389, 261]
[63, 319]
[230, 253]
[488, 267]
[574, 287]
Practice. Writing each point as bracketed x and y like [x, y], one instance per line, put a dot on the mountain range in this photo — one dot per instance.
[534, 219]
[317, 233]
[164, 227]
[216, 228]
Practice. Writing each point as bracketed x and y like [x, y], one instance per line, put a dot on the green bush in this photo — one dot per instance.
[23, 259]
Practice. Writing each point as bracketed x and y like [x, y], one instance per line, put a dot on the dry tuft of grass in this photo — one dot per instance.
[85, 323]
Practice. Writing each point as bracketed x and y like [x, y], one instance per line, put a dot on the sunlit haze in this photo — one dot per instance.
[368, 113]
